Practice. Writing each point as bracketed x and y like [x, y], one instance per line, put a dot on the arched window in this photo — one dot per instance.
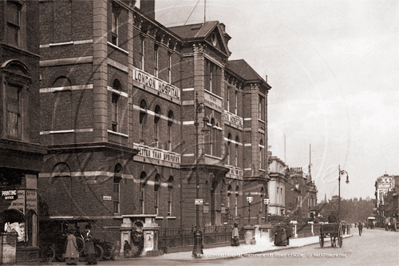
[142, 119]
[31, 228]
[60, 191]
[261, 199]
[170, 123]
[157, 117]
[116, 85]
[62, 109]
[229, 147]
[236, 151]
[236, 103]
[260, 154]
[170, 198]
[213, 137]
[236, 202]
[143, 177]
[117, 188]
[228, 98]
[229, 190]
[157, 185]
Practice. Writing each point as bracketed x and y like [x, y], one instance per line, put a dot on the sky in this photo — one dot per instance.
[334, 70]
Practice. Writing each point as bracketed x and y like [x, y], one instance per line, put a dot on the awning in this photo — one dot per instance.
[12, 216]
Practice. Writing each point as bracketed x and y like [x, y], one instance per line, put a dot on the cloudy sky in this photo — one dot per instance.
[334, 69]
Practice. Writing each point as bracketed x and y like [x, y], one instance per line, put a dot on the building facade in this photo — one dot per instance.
[277, 186]
[134, 113]
[21, 154]
[386, 197]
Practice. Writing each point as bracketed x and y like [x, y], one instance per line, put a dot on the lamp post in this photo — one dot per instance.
[197, 249]
[341, 172]
[249, 200]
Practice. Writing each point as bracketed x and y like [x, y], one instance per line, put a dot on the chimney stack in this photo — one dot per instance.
[147, 7]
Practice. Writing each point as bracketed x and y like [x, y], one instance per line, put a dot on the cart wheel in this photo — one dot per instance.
[321, 240]
[81, 244]
[99, 252]
[340, 236]
[47, 253]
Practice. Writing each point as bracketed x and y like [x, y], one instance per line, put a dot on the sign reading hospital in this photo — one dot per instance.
[156, 83]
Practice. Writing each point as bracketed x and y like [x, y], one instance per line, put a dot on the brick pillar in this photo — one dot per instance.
[100, 102]
[254, 128]
[130, 77]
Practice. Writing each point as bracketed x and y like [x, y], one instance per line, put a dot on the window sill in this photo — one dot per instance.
[159, 218]
[118, 48]
[171, 218]
[117, 133]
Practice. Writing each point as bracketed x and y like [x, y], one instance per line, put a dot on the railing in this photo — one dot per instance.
[155, 153]
[181, 237]
[235, 172]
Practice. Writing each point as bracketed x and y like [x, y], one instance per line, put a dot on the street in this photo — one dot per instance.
[374, 247]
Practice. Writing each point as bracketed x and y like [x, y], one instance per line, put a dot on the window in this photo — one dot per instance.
[236, 151]
[211, 76]
[142, 119]
[142, 52]
[115, 25]
[228, 196]
[260, 154]
[228, 99]
[156, 193]
[229, 147]
[236, 103]
[236, 203]
[143, 180]
[170, 67]
[114, 110]
[213, 137]
[116, 197]
[157, 117]
[170, 123]
[170, 198]
[14, 123]
[156, 62]
[260, 108]
[261, 199]
[117, 188]
[13, 22]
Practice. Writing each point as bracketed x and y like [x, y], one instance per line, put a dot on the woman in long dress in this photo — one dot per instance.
[71, 252]
[89, 246]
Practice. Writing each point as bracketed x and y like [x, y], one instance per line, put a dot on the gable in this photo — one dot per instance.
[216, 39]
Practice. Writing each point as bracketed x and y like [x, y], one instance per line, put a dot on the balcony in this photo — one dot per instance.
[157, 156]
[235, 172]
[233, 120]
[156, 85]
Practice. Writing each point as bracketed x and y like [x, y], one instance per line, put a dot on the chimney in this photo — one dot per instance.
[147, 7]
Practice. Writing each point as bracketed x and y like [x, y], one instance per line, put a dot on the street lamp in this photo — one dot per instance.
[197, 250]
[341, 172]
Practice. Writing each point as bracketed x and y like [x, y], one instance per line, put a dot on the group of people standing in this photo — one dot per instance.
[282, 234]
[71, 251]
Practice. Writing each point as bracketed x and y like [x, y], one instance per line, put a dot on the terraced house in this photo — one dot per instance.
[133, 112]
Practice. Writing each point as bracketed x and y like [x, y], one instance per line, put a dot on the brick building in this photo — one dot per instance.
[21, 154]
[301, 194]
[121, 96]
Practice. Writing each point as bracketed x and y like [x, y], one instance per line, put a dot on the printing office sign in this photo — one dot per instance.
[10, 194]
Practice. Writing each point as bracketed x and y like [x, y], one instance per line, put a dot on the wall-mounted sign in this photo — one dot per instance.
[10, 194]
[250, 199]
[107, 197]
[266, 201]
[199, 201]
[19, 203]
[212, 101]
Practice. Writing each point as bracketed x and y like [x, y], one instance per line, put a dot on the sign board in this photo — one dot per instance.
[213, 102]
[199, 201]
[31, 200]
[10, 194]
[266, 201]
[19, 203]
[107, 197]
[250, 199]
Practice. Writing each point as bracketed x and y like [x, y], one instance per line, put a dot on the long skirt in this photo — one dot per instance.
[71, 261]
[235, 241]
[91, 259]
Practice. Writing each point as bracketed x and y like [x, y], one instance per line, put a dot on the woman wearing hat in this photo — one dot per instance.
[71, 252]
[89, 246]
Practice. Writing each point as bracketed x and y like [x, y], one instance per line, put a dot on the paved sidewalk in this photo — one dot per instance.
[262, 246]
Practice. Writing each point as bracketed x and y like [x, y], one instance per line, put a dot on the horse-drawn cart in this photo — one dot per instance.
[332, 230]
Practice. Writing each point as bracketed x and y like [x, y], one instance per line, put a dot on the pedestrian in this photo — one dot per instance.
[280, 236]
[235, 236]
[288, 231]
[360, 228]
[71, 251]
[89, 246]
[126, 249]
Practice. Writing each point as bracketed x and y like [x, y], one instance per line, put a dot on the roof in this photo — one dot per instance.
[244, 70]
[194, 31]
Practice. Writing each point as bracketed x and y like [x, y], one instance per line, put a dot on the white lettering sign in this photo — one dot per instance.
[150, 152]
[156, 83]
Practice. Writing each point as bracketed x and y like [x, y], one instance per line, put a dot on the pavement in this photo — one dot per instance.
[229, 252]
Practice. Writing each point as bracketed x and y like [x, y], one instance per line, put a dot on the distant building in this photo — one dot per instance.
[277, 186]
[386, 196]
